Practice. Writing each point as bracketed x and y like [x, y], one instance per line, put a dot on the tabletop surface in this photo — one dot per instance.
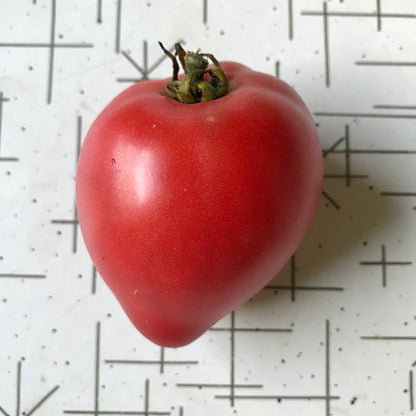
[333, 334]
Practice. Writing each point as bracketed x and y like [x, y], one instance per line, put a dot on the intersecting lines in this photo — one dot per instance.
[294, 287]
[144, 69]
[118, 22]
[330, 200]
[36, 406]
[378, 15]
[326, 397]
[161, 363]
[96, 387]
[398, 338]
[348, 151]
[3, 100]
[232, 385]
[51, 46]
[384, 264]
[347, 175]
[74, 221]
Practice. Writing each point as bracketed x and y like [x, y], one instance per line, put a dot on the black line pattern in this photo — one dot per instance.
[365, 115]
[294, 287]
[378, 15]
[161, 363]
[347, 175]
[99, 11]
[118, 27]
[327, 397]
[22, 276]
[52, 45]
[384, 264]
[205, 11]
[94, 280]
[290, 17]
[233, 385]
[411, 391]
[97, 383]
[36, 406]
[144, 69]
[4, 159]
[385, 63]
[74, 221]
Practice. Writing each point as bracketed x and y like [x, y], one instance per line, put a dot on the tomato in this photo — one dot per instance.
[188, 210]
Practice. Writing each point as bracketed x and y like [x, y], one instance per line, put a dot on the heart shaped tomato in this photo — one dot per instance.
[188, 210]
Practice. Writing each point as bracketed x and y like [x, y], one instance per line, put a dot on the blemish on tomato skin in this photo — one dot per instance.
[114, 163]
[135, 292]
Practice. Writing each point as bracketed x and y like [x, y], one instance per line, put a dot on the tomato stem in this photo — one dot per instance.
[194, 87]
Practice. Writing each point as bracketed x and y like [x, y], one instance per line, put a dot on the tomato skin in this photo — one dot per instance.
[187, 210]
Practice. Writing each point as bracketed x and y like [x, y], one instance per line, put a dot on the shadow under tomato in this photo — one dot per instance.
[352, 213]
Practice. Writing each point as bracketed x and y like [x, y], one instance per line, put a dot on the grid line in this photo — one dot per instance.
[384, 263]
[52, 45]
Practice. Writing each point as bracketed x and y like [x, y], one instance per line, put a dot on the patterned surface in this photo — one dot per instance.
[334, 333]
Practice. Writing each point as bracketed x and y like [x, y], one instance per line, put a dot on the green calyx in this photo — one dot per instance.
[194, 86]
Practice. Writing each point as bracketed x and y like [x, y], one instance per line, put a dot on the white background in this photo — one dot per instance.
[348, 345]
